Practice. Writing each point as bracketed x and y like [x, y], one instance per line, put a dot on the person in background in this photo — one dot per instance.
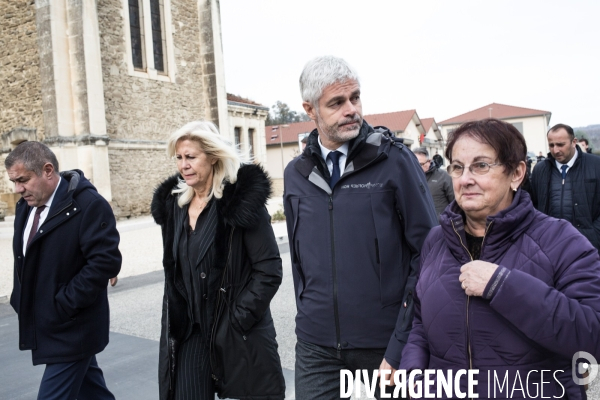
[503, 289]
[438, 180]
[565, 185]
[66, 248]
[222, 268]
[540, 157]
[585, 145]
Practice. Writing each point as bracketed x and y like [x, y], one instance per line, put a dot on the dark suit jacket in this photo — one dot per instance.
[60, 284]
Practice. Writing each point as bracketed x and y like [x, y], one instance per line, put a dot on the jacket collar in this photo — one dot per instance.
[239, 205]
[362, 150]
[503, 228]
[552, 161]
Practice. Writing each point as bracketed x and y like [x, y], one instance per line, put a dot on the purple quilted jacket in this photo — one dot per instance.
[541, 306]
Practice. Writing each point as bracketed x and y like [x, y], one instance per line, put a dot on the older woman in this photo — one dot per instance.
[222, 268]
[503, 288]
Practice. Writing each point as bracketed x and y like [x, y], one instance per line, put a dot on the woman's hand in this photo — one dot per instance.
[475, 276]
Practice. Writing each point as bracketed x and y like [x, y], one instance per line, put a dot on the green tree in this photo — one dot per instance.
[281, 114]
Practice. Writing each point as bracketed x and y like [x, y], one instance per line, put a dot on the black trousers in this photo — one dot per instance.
[81, 379]
[318, 368]
[193, 379]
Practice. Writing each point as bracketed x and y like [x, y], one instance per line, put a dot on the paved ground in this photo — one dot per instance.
[130, 361]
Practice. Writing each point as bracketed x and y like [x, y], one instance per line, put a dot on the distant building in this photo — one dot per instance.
[533, 124]
[104, 82]
[434, 141]
[247, 126]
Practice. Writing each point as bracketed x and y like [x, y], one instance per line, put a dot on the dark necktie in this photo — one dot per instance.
[36, 222]
[564, 172]
[334, 156]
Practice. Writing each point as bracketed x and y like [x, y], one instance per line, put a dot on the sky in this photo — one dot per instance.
[442, 58]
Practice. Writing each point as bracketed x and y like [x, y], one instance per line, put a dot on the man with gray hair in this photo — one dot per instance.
[358, 210]
[66, 248]
[440, 183]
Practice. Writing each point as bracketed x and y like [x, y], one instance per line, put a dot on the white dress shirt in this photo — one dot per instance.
[569, 164]
[43, 216]
[342, 149]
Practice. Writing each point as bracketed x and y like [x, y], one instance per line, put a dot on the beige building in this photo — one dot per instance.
[433, 140]
[247, 127]
[533, 124]
[404, 124]
[104, 82]
[283, 144]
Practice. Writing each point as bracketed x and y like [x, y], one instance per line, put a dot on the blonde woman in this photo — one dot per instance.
[222, 268]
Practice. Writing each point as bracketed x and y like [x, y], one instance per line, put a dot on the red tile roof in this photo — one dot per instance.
[395, 121]
[427, 123]
[290, 132]
[500, 111]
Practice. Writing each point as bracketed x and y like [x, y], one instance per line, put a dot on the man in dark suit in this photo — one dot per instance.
[565, 185]
[65, 249]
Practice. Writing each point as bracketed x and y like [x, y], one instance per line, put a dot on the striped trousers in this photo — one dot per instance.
[193, 379]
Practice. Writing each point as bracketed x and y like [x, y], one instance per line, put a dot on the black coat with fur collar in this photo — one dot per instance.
[244, 357]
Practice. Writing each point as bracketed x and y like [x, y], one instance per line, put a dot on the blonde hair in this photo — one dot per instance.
[216, 147]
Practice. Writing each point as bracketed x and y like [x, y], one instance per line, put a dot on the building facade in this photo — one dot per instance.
[104, 82]
[532, 123]
[247, 127]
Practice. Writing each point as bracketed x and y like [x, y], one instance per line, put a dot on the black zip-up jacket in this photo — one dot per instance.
[585, 195]
[244, 359]
[355, 249]
[60, 284]
[440, 186]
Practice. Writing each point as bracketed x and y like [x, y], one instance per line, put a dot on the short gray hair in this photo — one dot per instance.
[215, 146]
[33, 156]
[421, 150]
[321, 72]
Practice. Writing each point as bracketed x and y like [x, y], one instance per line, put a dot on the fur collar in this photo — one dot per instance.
[240, 202]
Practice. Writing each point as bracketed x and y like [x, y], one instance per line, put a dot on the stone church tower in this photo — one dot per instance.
[104, 82]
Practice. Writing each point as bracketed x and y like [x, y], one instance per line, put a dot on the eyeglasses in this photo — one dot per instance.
[477, 168]
[423, 163]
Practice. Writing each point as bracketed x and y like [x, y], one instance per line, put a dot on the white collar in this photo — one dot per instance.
[325, 151]
[570, 163]
[51, 199]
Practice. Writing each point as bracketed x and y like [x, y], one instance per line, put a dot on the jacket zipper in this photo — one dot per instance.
[562, 197]
[334, 271]
[222, 292]
[470, 360]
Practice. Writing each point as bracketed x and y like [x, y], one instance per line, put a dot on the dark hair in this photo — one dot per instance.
[33, 156]
[584, 140]
[562, 126]
[504, 138]
[421, 150]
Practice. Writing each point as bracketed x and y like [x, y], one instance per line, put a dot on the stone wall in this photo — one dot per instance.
[20, 88]
[149, 109]
[5, 185]
[134, 175]
[142, 112]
